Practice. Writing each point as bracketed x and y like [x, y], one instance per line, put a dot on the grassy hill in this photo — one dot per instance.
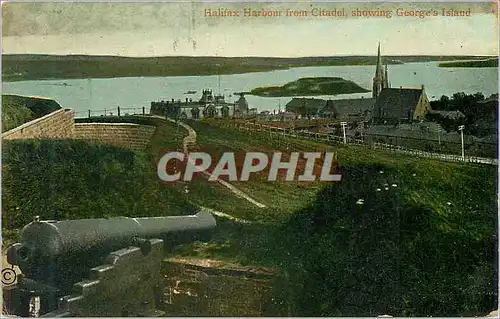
[421, 243]
[68, 179]
[74, 179]
[17, 110]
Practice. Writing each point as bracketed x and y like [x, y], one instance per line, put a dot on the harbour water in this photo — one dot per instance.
[99, 94]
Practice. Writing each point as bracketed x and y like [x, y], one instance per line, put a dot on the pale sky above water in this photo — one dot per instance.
[160, 29]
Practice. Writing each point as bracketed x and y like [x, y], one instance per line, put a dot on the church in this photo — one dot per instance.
[386, 106]
[396, 105]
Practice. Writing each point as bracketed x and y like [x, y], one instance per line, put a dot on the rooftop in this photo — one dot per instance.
[397, 101]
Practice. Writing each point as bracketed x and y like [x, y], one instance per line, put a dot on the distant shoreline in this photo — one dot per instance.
[487, 63]
[29, 67]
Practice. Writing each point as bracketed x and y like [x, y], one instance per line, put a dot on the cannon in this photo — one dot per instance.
[95, 267]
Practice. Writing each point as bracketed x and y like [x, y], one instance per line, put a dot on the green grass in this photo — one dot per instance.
[423, 247]
[17, 110]
[75, 179]
[287, 196]
[14, 114]
[168, 137]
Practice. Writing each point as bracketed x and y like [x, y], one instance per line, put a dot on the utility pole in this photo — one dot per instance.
[218, 76]
[461, 129]
[176, 137]
[344, 124]
[234, 114]
[362, 130]
[89, 85]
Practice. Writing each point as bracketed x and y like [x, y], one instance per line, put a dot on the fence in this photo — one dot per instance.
[440, 156]
[349, 140]
[443, 145]
[118, 111]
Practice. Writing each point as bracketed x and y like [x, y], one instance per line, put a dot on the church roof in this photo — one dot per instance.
[397, 102]
[353, 106]
[348, 108]
[310, 103]
[329, 108]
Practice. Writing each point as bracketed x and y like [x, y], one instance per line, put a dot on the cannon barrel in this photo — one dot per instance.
[43, 243]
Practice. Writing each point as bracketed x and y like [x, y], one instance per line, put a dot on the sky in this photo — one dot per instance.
[166, 29]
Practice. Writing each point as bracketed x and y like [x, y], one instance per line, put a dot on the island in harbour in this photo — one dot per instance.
[310, 86]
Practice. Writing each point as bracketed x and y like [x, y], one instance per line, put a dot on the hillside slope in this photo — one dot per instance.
[398, 235]
[74, 179]
[17, 110]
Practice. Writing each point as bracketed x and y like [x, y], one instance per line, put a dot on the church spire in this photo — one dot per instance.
[386, 78]
[378, 71]
[379, 81]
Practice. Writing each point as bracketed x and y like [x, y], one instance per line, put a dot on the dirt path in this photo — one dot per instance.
[224, 215]
[190, 140]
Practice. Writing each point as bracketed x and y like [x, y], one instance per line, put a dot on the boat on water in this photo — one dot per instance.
[190, 92]
[58, 84]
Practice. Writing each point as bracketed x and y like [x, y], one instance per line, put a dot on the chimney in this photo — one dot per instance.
[186, 100]
[422, 87]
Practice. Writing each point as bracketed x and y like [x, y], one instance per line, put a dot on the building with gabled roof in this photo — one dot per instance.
[242, 104]
[400, 105]
[305, 106]
[348, 109]
[329, 110]
[354, 108]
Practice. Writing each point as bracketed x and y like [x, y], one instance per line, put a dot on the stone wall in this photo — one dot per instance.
[127, 135]
[56, 125]
[200, 287]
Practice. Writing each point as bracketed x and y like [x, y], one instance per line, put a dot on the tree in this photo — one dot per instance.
[478, 96]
